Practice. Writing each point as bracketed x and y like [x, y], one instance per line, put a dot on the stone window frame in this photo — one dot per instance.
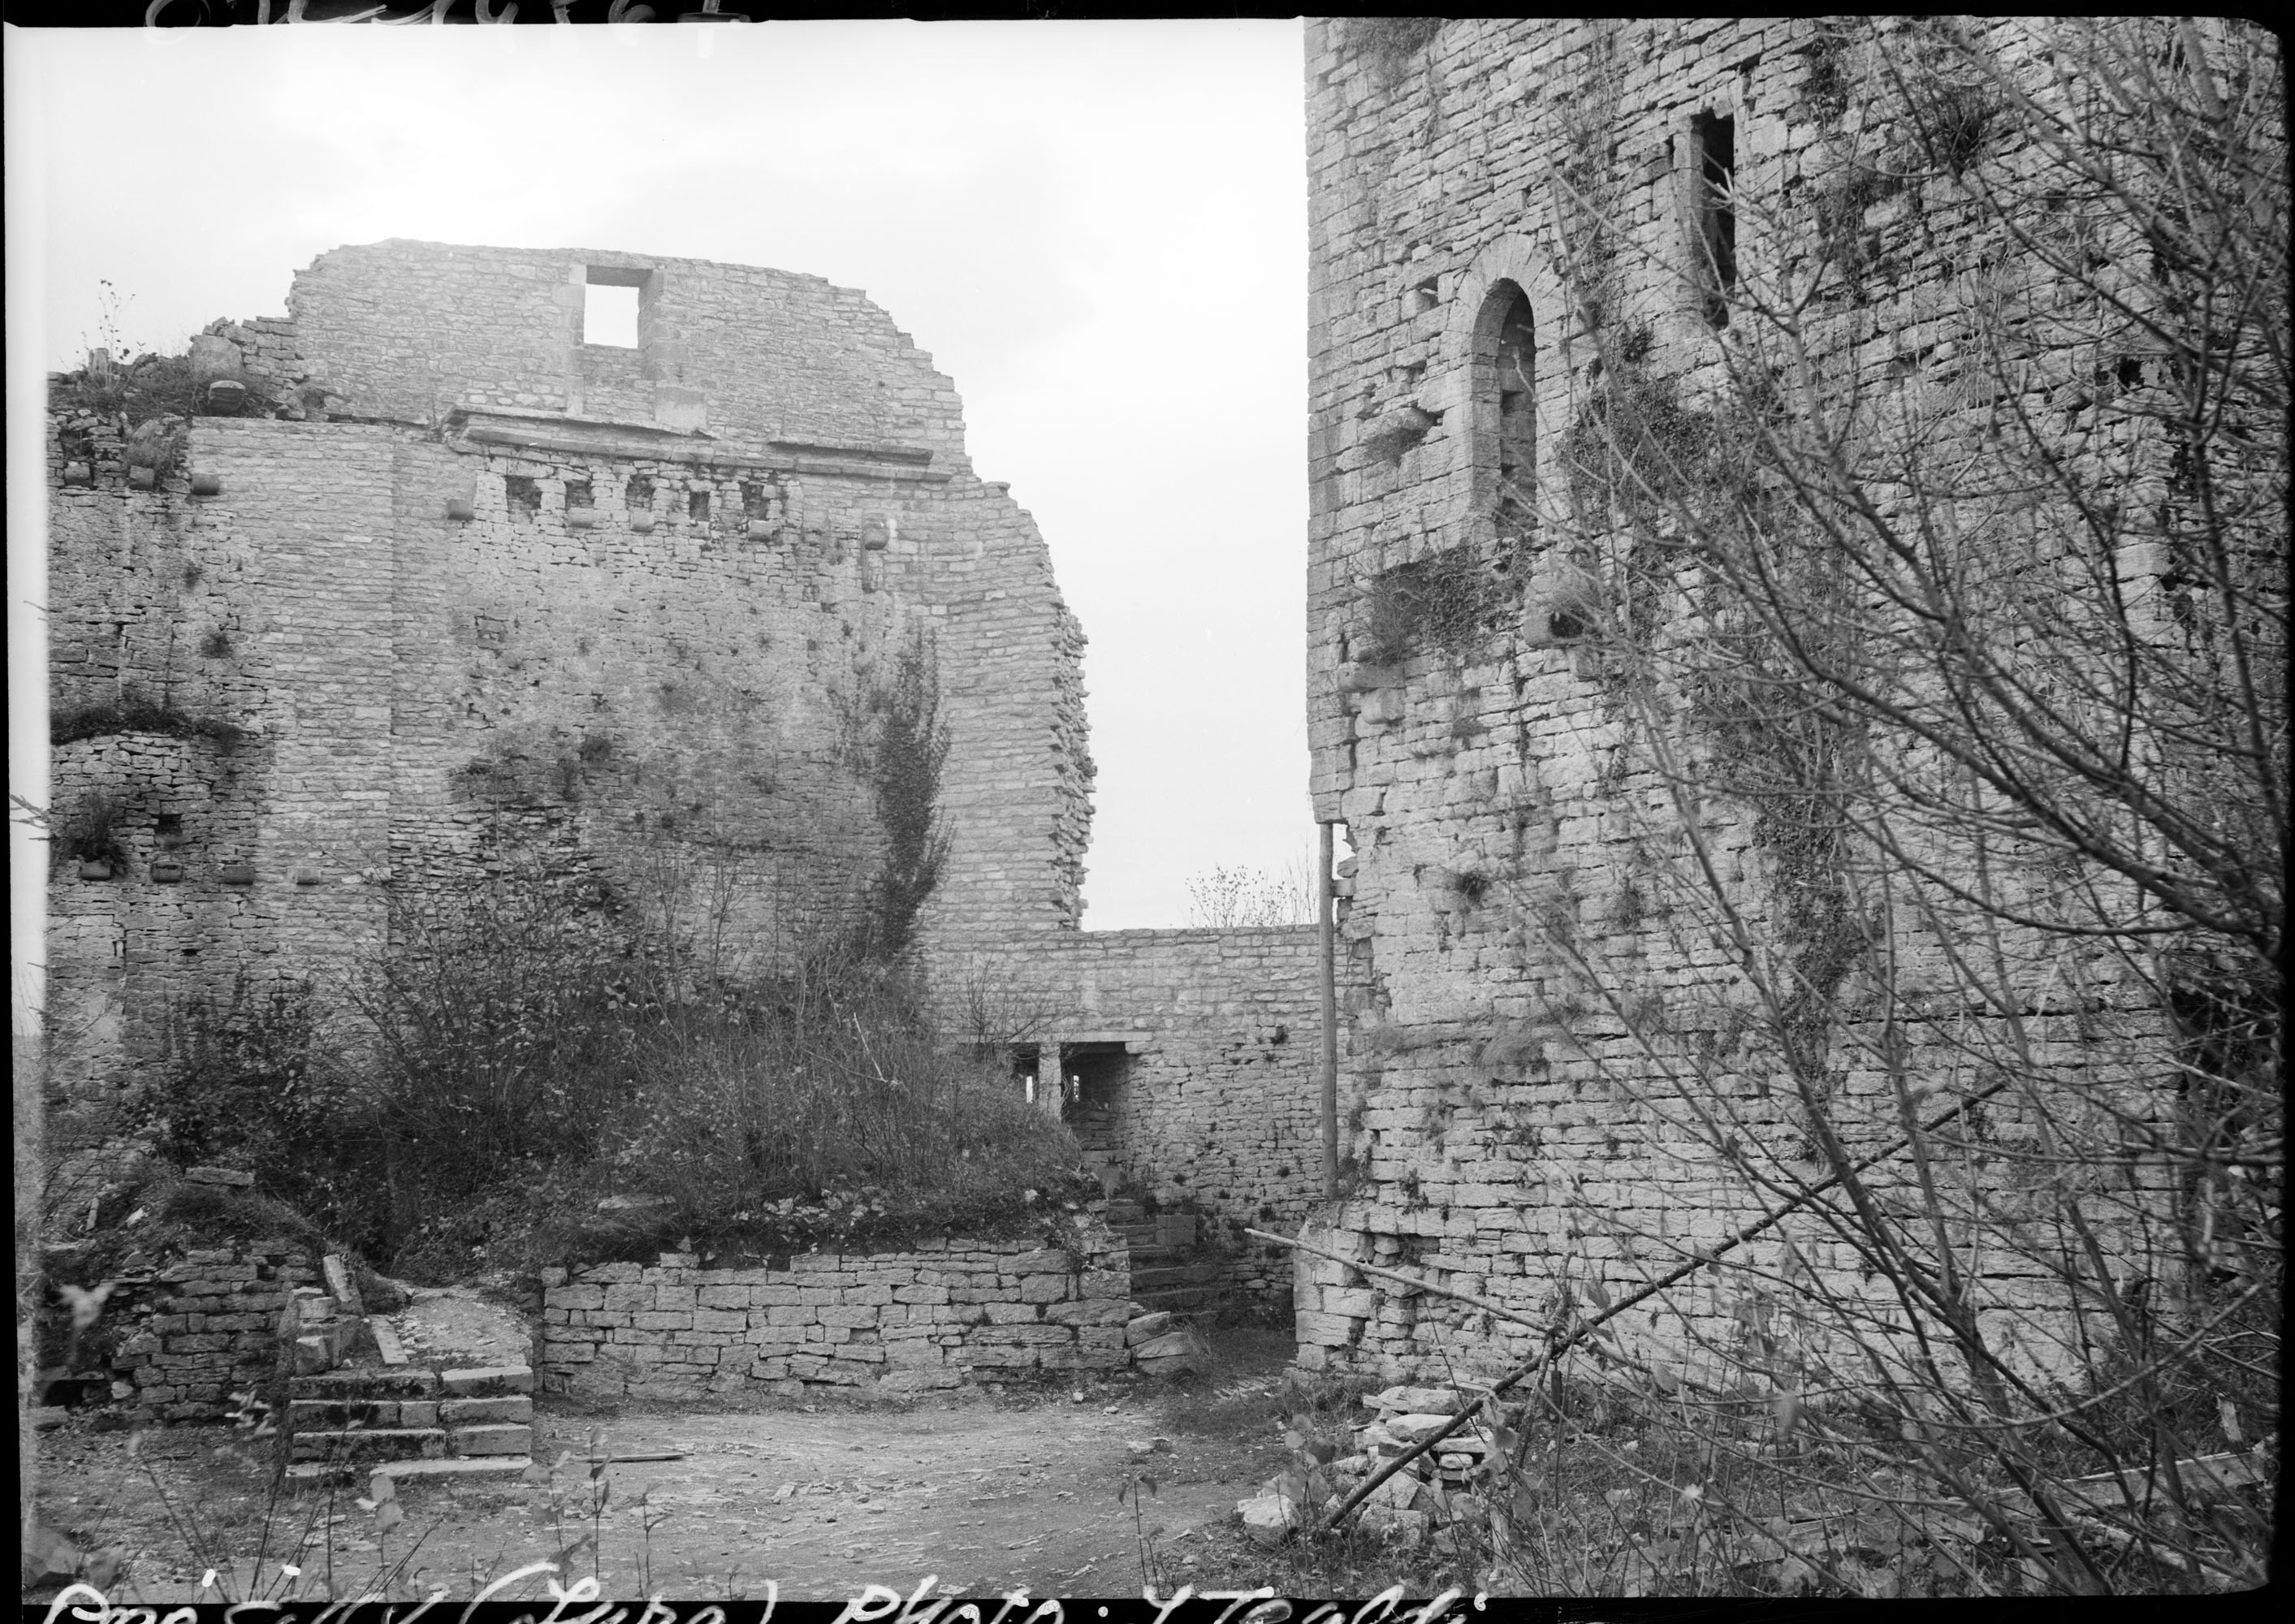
[645, 279]
[1516, 261]
[1724, 97]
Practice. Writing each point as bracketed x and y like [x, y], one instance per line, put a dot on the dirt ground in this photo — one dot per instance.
[986, 1492]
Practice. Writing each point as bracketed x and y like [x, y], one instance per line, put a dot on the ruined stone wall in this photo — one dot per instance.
[201, 1332]
[1218, 1101]
[454, 610]
[939, 1314]
[1500, 1129]
[410, 330]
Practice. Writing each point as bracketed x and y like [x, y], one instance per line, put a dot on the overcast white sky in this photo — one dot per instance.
[1097, 229]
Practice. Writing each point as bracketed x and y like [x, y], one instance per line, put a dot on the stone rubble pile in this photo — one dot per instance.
[1405, 1509]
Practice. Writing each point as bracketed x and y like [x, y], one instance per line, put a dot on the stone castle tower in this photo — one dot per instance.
[1525, 232]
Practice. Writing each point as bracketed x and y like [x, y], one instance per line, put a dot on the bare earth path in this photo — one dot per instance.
[987, 1493]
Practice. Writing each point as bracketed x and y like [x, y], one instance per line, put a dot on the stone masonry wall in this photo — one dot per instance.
[938, 1314]
[1219, 1097]
[205, 1327]
[412, 330]
[1487, 787]
[636, 654]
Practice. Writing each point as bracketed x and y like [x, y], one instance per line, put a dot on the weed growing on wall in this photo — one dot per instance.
[134, 712]
[1389, 42]
[902, 751]
[1443, 603]
[86, 830]
[1226, 898]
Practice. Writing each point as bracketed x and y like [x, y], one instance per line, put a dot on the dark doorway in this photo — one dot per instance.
[1094, 1075]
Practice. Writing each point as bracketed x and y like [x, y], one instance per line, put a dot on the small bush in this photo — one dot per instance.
[87, 830]
[1390, 42]
[155, 387]
[253, 1083]
[829, 1112]
[902, 747]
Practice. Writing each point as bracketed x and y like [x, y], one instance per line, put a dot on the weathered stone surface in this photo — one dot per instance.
[1497, 808]
[1147, 1328]
[487, 1380]
[1268, 1518]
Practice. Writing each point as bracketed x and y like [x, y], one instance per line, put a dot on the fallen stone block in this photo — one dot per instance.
[386, 1340]
[478, 1412]
[1267, 1518]
[1145, 1328]
[1417, 1429]
[1402, 1400]
[1400, 1492]
[230, 1178]
[1172, 1346]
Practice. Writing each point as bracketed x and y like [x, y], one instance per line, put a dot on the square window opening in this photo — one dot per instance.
[609, 315]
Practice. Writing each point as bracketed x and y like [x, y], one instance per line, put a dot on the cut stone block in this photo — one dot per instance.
[477, 1440]
[486, 1380]
[408, 1384]
[476, 1412]
[386, 1340]
[370, 1444]
[1147, 1328]
[419, 1471]
[320, 1414]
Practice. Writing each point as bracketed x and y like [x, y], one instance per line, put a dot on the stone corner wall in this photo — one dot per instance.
[204, 1326]
[941, 1314]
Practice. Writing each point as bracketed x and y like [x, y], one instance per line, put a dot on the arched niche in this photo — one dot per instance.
[1505, 352]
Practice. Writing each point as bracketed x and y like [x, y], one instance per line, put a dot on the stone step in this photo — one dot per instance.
[360, 1445]
[414, 1382]
[469, 1442]
[411, 1382]
[484, 1468]
[487, 1381]
[1175, 1274]
[323, 1415]
[1186, 1299]
[343, 1413]
[386, 1443]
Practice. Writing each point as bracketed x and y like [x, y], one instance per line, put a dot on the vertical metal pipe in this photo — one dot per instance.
[1327, 943]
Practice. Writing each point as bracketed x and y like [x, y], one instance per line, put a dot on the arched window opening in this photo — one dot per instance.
[1506, 437]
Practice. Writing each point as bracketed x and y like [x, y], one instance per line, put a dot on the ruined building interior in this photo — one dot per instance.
[459, 581]
[457, 586]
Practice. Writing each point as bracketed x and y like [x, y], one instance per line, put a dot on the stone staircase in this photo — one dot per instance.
[1167, 1271]
[407, 1422]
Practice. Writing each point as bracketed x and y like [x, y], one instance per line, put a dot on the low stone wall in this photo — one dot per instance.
[938, 1314]
[207, 1326]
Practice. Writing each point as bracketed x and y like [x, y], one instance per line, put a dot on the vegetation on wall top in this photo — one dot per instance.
[135, 713]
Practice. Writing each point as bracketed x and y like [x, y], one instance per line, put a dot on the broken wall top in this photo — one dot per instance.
[740, 355]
